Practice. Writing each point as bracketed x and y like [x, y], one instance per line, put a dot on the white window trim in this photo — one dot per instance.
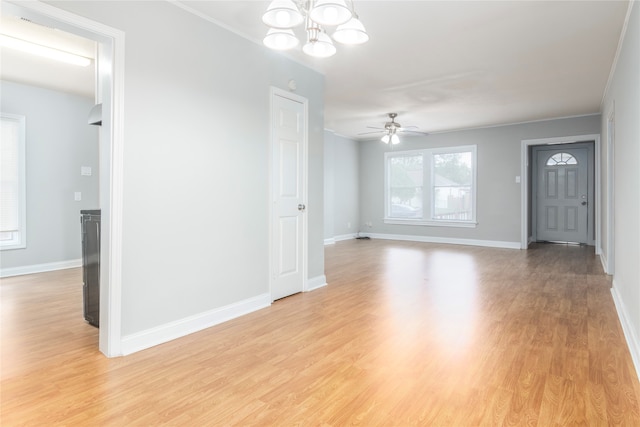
[427, 163]
[20, 240]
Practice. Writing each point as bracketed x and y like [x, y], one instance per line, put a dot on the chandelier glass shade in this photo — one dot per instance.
[330, 12]
[351, 32]
[319, 44]
[280, 39]
[282, 16]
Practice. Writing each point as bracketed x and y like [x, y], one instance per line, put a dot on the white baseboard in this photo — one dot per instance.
[333, 240]
[342, 237]
[316, 282]
[180, 328]
[447, 240]
[40, 268]
[627, 328]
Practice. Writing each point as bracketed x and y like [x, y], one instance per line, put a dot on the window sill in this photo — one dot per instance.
[11, 247]
[431, 223]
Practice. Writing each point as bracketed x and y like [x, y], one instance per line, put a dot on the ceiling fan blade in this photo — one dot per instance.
[418, 132]
[394, 127]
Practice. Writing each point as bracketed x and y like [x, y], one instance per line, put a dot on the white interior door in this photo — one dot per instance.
[562, 195]
[289, 151]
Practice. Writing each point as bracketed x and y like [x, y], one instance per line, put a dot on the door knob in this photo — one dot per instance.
[301, 207]
[584, 203]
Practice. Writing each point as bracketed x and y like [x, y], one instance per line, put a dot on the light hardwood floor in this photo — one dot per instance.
[405, 334]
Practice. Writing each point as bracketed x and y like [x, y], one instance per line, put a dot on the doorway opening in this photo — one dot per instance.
[110, 89]
[562, 208]
[529, 205]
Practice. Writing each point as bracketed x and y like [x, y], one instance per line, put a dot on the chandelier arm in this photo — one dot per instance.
[304, 6]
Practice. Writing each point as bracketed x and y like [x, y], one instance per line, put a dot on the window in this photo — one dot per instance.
[406, 180]
[431, 187]
[12, 202]
[452, 186]
[562, 159]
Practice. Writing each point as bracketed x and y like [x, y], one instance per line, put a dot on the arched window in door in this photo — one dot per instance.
[561, 159]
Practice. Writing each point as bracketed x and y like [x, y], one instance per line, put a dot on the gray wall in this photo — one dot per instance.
[58, 143]
[196, 138]
[498, 195]
[623, 95]
[341, 186]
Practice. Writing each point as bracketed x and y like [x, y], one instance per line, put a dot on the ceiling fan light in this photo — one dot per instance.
[321, 47]
[394, 139]
[282, 14]
[330, 12]
[351, 32]
[385, 138]
[279, 39]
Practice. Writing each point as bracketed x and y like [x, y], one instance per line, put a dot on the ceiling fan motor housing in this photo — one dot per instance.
[392, 124]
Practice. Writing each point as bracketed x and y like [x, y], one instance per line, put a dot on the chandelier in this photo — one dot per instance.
[284, 15]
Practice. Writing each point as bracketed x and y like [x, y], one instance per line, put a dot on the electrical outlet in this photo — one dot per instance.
[348, 225]
[77, 196]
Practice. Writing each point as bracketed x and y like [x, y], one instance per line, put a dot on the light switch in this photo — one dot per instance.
[85, 170]
[517, 180]
[77, 196]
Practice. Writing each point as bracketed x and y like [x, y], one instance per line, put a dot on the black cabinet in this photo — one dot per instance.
[90, 220]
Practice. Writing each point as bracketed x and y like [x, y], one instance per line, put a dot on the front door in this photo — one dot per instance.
[562, 197]
[288, 229]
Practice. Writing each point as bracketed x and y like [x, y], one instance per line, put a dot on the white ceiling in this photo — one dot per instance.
[33, 70]
[444, 65]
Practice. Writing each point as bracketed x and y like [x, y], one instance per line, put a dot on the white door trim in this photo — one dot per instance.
[525, 163]
[274, 91]
[111, 169]
[611, 197]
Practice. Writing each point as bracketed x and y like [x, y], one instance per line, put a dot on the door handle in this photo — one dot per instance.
[301, 207]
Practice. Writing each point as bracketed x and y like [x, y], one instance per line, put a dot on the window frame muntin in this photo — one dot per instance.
[561, 164]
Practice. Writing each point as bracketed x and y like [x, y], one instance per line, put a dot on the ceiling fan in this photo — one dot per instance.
[392, 129]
